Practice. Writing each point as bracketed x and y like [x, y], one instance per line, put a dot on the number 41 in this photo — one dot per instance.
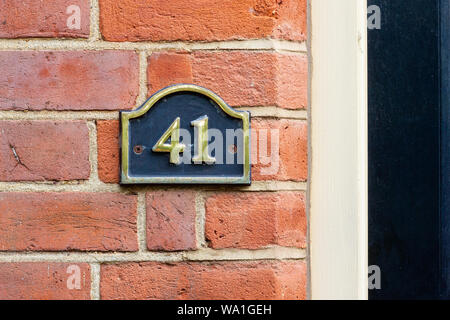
[175, 147]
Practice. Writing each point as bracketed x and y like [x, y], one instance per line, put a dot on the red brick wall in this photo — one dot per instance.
[68, 229]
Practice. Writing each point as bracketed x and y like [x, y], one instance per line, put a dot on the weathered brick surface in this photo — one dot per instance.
[43, 19]
[68, 80]
[241, 78]
[204, 281]
[44, 281]
[44, 150]
[210, 20]
[171, 220]
[108, 151]
[291, 160]
[52, 151]
[256, 220]
[67, 221]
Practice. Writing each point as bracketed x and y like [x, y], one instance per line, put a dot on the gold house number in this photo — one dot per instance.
[175, 147]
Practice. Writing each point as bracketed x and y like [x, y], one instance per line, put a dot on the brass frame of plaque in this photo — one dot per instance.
[125, 116]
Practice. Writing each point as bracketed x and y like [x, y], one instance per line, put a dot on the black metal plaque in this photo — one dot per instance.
[185, 134]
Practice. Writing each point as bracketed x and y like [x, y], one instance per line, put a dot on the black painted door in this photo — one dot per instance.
[409, 148]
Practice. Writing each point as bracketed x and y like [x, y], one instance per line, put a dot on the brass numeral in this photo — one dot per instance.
[174, 147]
[201, 124]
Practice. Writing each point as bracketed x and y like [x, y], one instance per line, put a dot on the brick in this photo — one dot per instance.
[108, 157]
[204, 281]
[67, 221]
[171, 220]
[44, 19]
[169, 68]
[241, 78]
[290, 163]
[205, 20]
[68, 80]
[256, 220]
[45, 281]
[44, 150]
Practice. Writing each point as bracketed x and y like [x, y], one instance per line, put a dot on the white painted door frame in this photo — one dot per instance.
[338, 149]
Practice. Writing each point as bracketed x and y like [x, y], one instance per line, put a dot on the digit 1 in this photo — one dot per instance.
[175, 147]
[201, 126]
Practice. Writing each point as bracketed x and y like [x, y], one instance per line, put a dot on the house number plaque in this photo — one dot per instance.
[185, 134]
